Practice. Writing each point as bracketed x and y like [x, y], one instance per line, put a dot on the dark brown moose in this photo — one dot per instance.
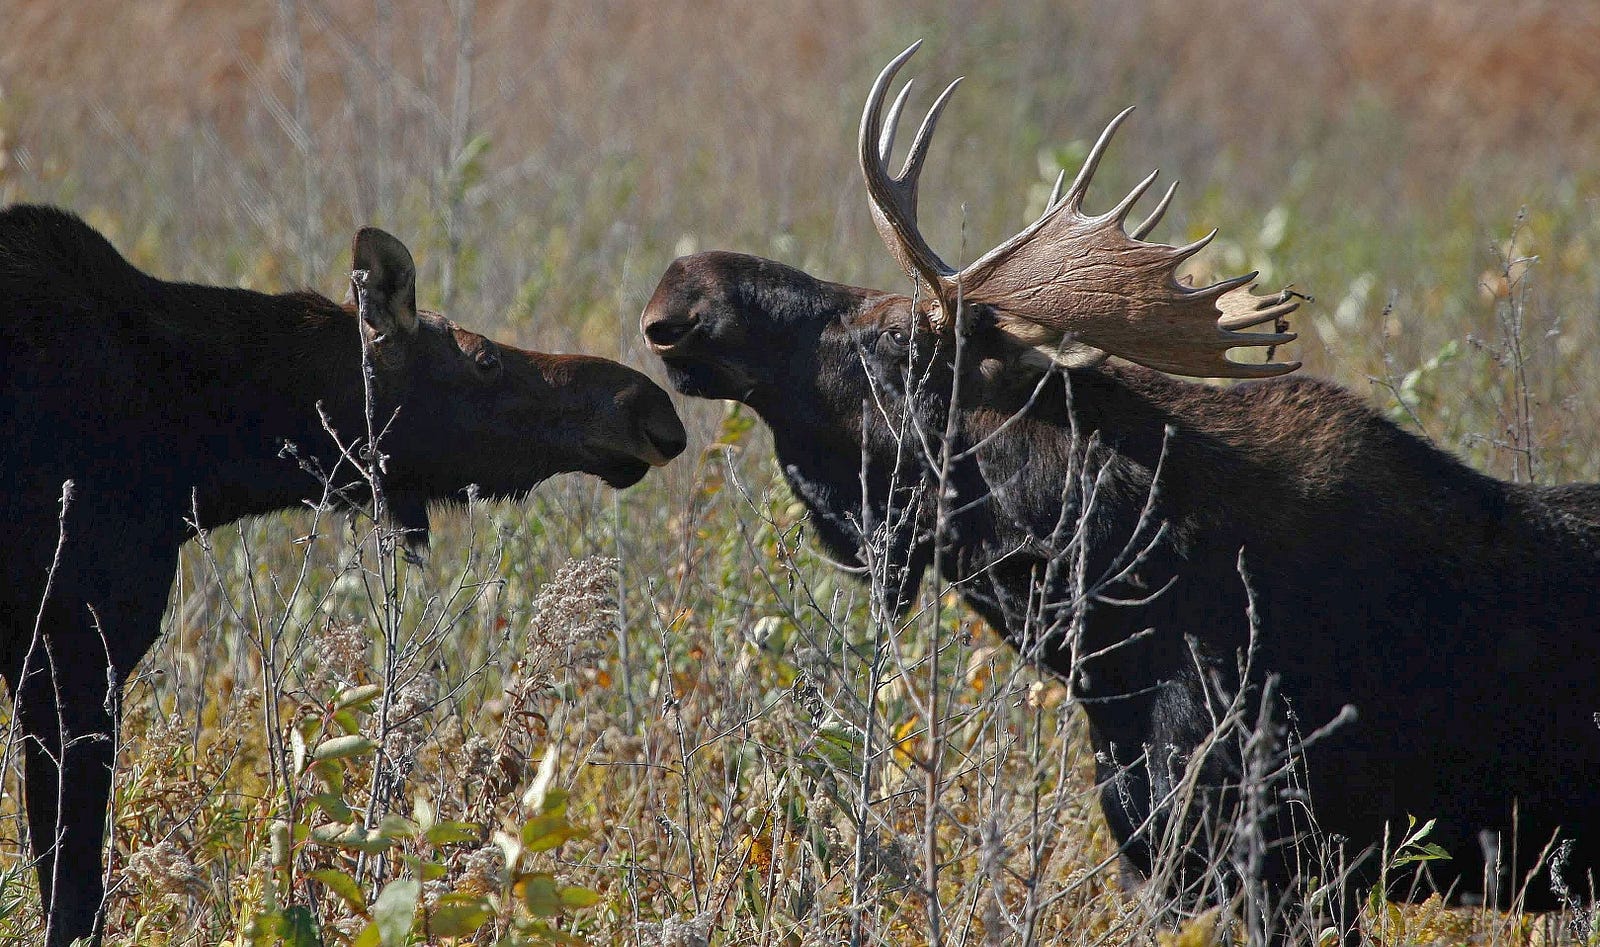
[162, 402]
[1273, 553]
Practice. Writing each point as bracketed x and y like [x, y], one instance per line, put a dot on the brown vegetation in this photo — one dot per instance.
[1379, 153]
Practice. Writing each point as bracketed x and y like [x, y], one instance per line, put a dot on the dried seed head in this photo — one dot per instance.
[409, 713]
[338, 655]
[482, 871]
[167, 869]
[578, 605]
[677, 932]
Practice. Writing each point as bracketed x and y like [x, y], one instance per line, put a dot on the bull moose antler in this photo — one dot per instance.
[1069, 277]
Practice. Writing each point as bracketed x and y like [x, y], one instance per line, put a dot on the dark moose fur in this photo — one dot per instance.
[158, 399]
[1459, 616]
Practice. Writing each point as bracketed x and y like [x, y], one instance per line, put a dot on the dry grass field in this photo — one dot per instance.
[643, 718]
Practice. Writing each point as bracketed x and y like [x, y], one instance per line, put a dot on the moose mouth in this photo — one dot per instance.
[688, 347]
[618, 470]
[699, 379]
[624, 464]
[702, 375]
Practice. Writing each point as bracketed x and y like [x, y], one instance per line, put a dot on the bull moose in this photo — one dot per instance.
[172, 406]
[1418, 639]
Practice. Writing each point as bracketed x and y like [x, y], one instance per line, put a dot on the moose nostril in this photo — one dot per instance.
[665, 333]
[668, 436]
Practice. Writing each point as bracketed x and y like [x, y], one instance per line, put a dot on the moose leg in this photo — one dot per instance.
[68, 755]
[67, 684]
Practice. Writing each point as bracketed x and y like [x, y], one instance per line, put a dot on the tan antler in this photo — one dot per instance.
[1070, 278]
[894, 198]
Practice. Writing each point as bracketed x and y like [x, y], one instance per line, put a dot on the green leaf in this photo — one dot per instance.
[297, 747]
[838, 747]
[423, 812]
[544, 832]
[751, 890]
[334, 805]
[332, 775]
[395, 910]
[342, 885]
[369, 937]
[540, 895]
[356, 697]
[352, 837]
[333, 833]
[347, 721]
[451, 833]
[459, 916]
[1414, 849]
[467, 168]
[426, 870]
[262, 929]
[555, 801]
[575, 897]
[344, 747]
[298, 928]
[1427, 852]
[396, 827]
[545, 934]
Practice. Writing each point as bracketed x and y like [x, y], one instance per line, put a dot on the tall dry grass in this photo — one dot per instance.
[712, 703]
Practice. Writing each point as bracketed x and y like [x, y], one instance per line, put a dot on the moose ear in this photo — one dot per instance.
[387, 294]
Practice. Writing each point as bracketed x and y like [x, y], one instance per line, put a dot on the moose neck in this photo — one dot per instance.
[1012, 490]
[824, 471]
[267, 371]
[1128, 408]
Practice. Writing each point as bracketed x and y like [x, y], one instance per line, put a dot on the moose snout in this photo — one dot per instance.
[665, 329]
[661, 432]
[665, 433]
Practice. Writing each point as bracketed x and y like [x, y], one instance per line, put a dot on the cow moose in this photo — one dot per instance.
[172, 406]
[1422, 640]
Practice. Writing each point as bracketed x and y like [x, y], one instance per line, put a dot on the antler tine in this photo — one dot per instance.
[872, 114]
[1120, 212]
[1240, 339]
[1182, 253]
[894, 198]
[1141, 231]
[1069, 276]
[912, 169]
[1215, 363]
[1232, 369]
[1240, 309]
[1224, 286]
[1080, 184]
[1244, 311]
[891, 123]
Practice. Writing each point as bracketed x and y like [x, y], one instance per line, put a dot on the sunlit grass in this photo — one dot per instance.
[709, 738]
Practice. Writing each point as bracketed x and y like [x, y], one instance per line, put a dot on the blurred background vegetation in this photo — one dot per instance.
[546, 160]
[1424, 168]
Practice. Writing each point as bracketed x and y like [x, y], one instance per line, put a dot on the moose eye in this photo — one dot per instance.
[894, 339]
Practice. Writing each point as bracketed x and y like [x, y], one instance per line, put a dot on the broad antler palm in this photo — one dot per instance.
[1071, 278]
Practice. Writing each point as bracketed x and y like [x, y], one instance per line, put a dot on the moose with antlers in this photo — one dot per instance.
[171, 407]
[1391, 633]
